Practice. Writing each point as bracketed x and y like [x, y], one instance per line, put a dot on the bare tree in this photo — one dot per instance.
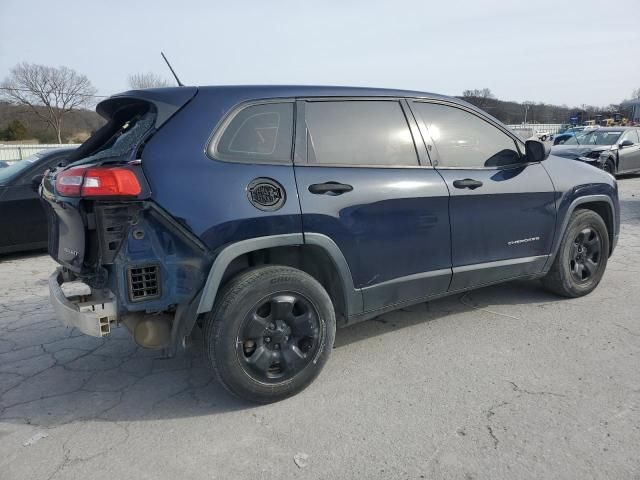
[147, 80]
[481, 98]
[49, 92]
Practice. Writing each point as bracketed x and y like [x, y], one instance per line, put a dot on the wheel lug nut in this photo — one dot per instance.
[272, 326]
[277, 346]
[267, 339]
[286, 338]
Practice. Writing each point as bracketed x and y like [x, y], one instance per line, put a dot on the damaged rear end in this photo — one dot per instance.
[123, 258]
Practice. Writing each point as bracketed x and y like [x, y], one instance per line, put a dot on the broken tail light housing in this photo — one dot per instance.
[98, 182]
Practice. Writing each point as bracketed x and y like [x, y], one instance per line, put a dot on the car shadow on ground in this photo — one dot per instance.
[22, 255]
[50, 375]
[519, 292]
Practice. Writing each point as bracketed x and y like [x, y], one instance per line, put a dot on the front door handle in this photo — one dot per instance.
[330, 188]
[469, 183]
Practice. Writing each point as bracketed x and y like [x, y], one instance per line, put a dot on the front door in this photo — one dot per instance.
[502, 208]
[629, 155]
[365, 185]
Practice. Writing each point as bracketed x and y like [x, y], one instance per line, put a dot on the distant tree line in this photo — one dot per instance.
[538, 112]
[55, 104]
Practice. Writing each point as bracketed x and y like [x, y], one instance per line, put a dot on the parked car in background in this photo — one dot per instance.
[614, 149]
[3, 164]
[561, 137]
[542, 135]
[23, 225]
[297, 209]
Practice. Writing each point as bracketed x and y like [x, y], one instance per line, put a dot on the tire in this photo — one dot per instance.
[609, 167]
[270, 333]
[586, 238]
[543, 138]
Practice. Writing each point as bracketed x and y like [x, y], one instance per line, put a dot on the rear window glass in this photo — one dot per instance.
[259, 133]
[125, 137]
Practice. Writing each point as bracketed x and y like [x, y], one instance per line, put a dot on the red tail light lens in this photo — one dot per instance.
[110, 182]
[98, 182]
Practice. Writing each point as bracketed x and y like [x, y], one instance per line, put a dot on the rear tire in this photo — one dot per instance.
[582, 257]
[270, 333]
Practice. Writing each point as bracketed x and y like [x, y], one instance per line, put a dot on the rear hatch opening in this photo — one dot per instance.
[105, 167]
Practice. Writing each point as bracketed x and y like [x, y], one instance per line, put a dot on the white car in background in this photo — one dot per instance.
[543, 135]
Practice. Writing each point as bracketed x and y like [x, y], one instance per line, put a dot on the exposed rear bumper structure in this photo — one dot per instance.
[91, 314]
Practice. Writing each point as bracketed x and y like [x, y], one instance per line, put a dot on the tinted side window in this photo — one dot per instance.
[259, 132]
[359, 133]
[465, 140]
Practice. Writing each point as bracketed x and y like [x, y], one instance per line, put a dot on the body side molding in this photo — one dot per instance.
[230, 252]
[353, 297]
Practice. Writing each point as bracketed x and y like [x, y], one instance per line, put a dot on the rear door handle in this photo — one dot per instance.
[330, 188]
[469, 183]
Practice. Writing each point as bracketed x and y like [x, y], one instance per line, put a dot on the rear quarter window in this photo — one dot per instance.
[257, 133]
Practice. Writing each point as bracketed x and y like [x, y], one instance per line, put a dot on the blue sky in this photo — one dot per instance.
[570, 52]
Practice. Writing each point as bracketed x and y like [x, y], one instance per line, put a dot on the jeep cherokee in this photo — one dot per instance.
[269, 215]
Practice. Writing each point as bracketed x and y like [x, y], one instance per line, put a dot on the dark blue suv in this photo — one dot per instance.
[269, 215]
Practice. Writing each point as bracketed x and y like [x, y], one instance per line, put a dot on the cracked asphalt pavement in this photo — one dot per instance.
[503, 382]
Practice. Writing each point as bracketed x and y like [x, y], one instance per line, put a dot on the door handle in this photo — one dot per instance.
[330, 188]
[469, 183]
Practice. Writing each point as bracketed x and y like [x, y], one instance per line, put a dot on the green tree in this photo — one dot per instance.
[16, 131]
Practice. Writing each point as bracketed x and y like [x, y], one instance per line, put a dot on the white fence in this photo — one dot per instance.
[528, 130]
[13, 153]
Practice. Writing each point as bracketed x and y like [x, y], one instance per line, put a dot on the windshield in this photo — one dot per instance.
[595, 137]
[12, 171]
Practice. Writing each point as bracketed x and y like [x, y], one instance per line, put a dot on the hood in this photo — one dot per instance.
[575, 151]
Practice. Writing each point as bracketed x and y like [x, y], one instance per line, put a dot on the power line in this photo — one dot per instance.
[63, 93]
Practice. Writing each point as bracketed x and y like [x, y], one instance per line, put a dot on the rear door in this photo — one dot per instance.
[502, 208]
[365, 184]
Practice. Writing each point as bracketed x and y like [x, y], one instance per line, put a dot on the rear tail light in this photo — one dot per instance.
[69, 182]
[98, 182]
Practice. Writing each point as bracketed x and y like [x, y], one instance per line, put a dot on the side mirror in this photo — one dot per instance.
[536, 151]
[626, 143]
[36, 180]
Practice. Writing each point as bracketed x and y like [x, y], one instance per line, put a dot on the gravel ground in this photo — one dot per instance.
[504, 382]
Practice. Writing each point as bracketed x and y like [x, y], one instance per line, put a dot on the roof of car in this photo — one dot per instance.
[612, 129]
[250, 92]
[55, 151]
[320, 91]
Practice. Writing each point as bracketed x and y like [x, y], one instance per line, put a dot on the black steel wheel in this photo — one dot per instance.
[585, 254]
[270, 333]
[582, 256]
[279, 337]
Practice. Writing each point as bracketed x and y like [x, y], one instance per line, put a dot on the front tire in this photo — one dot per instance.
[270, 333]
[609, 167]
[582, 257]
